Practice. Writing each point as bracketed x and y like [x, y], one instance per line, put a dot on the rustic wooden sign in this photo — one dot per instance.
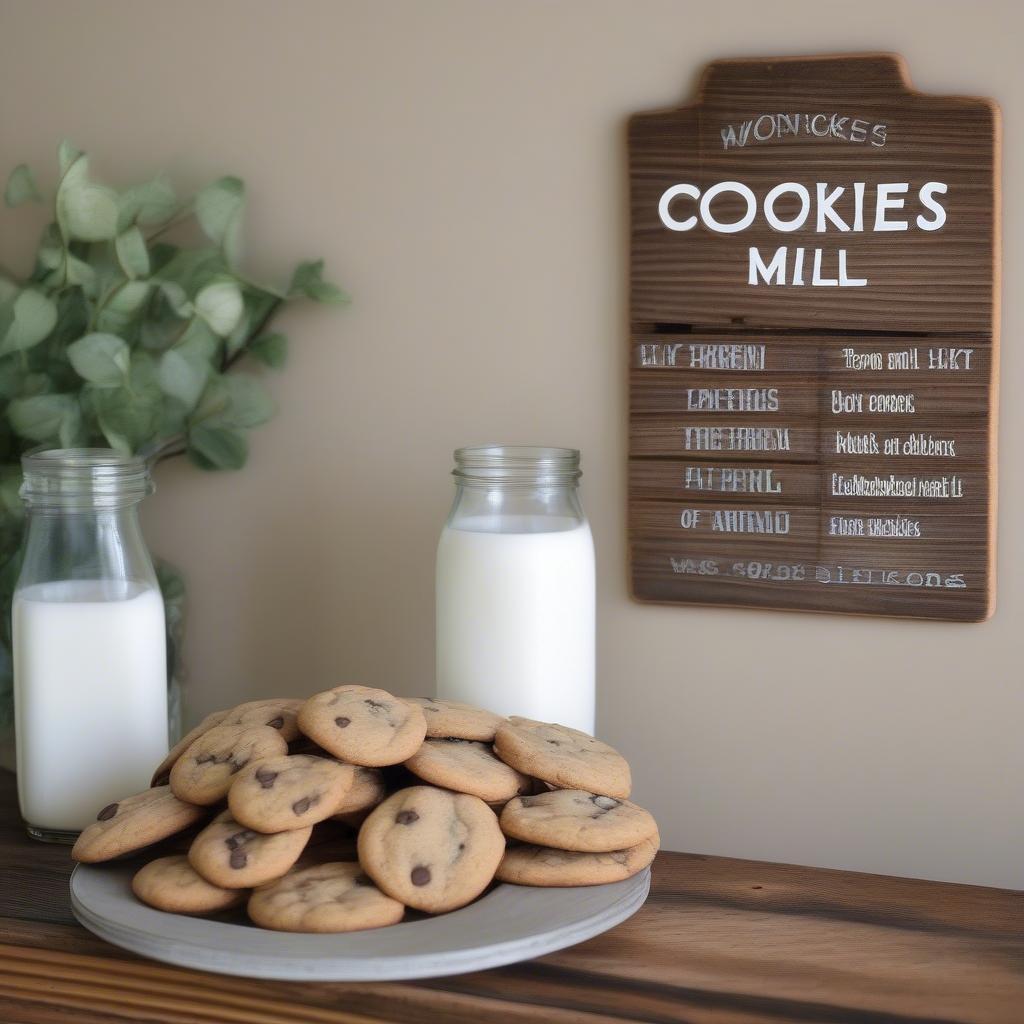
[814, 325]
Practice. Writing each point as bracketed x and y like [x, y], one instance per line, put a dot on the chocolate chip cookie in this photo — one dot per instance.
[452, 718]
[163, 769]
[367, 790]
[133, 823]
[277, 712]
[332, 897]
[172, 884]
[570, 819]
[541, 865]
[204, 772]
[468, 766]
[230, 855]
[430, 848]
[363, 726]
[564, 757]
[290, 791]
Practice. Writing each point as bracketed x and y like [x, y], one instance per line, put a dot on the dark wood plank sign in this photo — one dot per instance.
[814, 325]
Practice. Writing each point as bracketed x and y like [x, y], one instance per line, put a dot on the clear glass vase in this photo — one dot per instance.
[89, 632]
[515, 611]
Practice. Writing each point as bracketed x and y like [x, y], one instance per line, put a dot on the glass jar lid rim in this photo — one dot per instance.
[83, 477]
[516, 462]
[522, 453]
[45, 458]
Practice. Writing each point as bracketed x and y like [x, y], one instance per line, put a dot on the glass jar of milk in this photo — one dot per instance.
[515, 587]
[90, 659]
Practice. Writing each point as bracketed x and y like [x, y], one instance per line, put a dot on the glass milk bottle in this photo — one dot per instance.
[90, 660]
[515, 587]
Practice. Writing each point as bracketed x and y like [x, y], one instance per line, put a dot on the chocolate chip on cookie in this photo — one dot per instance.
[564, 757]
[289, 791]
[277, 712]
[570, 819]
[135, 822]
[430, 848]
[541, 865]
[468, 767]
[204, 772]
[362, 725]
[163, 769]
[331, 897]
[235, 857]
[452, 718]
[172, 884]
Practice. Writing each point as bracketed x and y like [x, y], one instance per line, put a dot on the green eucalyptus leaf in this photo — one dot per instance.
[217, 447]
[69, 433]
[219, 208]
[182, 376]
[248, 404]
[192, 269]
[51, 252]
[129, 416]
[21, 187]
[10, 491]
[42, 417]
[85, 211]
[172, 583]
[173, 418]
[33, 317]
[101, 359]
[8, 290]
[177, 299]
[67, 154]
[80, 273]
[11, 374]
[237, 339]
[220, 305]
[160, 254]
[128, 297]
[6, 319]
[308, 280]
[132, 253]
[271, 350]
[121, 307]
[200, 338]
[150, 203]
[73, 313]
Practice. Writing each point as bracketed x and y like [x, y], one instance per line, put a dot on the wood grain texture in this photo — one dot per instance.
[836, 390]
[720, 941]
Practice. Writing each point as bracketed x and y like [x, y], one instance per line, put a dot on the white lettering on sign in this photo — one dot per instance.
[889, 198]
[768, 126]
[890, 209]
[732, 480]
[703, 356]
[859, 485]
[774, 272]
[732, 399]
[851, 403]
[755, 521]
[830, 575]
[887, 527]
[736, 439]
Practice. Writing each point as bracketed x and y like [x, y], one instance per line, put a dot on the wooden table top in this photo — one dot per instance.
[720, 941]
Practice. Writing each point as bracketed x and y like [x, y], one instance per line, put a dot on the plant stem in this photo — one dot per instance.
[178, 445]
[260, 327]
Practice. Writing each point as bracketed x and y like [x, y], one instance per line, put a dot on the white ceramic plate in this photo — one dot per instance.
[509, 924]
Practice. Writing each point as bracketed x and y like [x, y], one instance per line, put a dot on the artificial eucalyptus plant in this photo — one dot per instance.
[121, 338]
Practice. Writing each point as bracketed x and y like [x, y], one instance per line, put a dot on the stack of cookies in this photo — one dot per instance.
[343, 811]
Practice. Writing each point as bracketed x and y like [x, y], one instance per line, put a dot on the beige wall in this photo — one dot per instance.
[461, 166]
